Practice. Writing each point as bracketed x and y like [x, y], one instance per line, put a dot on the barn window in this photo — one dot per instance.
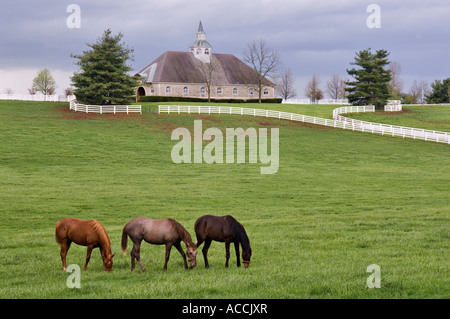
[168, 90]
[235, 91]
[266, 91]
[202, 90]
[250, 91]
[219, 90]
[185, 90]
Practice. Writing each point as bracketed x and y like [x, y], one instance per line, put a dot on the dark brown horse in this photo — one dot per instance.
[223, 229]
[88, 233]
[158, 232]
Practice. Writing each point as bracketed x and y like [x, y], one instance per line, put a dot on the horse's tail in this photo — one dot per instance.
[124, 240]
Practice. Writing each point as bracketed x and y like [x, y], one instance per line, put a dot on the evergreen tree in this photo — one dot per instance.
[103, 78]
[371, 80]
[440, 93]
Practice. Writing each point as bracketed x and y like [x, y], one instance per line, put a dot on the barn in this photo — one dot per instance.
[199, 72]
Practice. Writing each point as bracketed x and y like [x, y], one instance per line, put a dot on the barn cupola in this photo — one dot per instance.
[200, 48]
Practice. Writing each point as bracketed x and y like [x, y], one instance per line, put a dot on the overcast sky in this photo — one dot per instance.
[312, 36]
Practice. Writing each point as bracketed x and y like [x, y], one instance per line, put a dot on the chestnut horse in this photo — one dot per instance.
[88, 233]
[158, 232]
[223, 229]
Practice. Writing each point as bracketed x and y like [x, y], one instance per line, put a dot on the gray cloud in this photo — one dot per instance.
[312, 36]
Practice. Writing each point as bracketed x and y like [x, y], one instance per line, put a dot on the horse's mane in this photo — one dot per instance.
[240, 232]
[181, 231]
[101, 231]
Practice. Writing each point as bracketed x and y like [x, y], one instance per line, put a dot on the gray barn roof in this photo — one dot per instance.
[183, 67]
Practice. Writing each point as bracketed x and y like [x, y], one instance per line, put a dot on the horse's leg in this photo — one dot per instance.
[88, 256]
[236, 248]
[65, 245]
[168, 248]
[136, 254]
[227, 253]
[132, 254]
[205, 250]
[180, 249]
[199, 241]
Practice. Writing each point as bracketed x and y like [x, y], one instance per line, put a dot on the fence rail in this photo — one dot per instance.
[105, 109]
[36, 97]
[339, 121]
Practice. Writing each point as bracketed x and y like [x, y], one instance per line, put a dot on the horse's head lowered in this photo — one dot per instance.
[246, 255]
[191, 253]
[107, 261]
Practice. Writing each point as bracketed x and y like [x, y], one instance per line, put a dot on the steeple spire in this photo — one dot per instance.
[200, 47]
[200, 27]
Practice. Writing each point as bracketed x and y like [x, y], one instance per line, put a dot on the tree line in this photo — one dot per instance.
[374, 80]
[103, 77]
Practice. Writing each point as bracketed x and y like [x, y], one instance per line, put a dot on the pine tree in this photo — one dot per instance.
[371, 80]
[440, 93]
[103, 78]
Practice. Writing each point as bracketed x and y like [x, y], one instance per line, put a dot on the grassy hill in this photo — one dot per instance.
[339, 202]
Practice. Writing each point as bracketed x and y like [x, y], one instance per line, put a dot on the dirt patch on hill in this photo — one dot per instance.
[396, 113]
[206, 117]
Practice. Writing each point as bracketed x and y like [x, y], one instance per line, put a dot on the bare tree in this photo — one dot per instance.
[424, 91]
[264, 60]
[209, 70]
[336, 87]
[9, 91]
[285, 84]
[313, 90]
[418, 91]
[32, 91]
[68, 91]
[396, 84]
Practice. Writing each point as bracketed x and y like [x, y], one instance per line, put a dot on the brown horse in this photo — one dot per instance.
[88, 233]
[223, 229]
[158, 232]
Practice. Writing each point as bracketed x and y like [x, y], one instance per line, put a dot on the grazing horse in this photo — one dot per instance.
[88, 233]
[223, 229]
[158, 232]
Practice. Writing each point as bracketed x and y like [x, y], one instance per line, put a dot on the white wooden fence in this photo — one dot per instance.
[104, 109]
[36, 97]
[322, 101]
[387, 129]
[338, 121]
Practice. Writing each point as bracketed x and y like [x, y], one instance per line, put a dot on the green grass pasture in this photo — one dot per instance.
[339, 202]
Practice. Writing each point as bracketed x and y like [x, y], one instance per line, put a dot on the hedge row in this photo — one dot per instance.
[194, 99]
